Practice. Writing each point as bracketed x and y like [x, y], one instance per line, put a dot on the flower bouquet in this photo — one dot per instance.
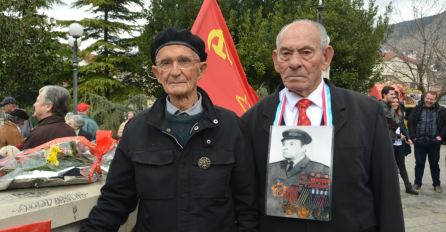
[63, 161]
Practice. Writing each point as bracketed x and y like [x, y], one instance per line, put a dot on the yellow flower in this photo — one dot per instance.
[52, 157]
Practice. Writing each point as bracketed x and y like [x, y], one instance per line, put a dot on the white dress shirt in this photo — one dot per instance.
[314, 111]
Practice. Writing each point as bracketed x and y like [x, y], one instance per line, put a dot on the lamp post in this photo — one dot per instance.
[76, 30]
[320, 17]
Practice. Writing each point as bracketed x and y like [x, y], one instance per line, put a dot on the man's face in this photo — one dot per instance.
[129, 116]
[8, 108]
[178, 82]
[390, 96]
[430, 100]
[41, 111]
[293, 149]
[300, 59]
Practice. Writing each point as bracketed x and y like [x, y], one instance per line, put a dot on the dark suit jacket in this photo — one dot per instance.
[85, 134]
[365, 188]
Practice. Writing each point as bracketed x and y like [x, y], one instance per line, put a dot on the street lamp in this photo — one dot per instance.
[76, 30]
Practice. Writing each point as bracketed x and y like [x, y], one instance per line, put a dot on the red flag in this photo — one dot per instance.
[224, 80]
[44, 226]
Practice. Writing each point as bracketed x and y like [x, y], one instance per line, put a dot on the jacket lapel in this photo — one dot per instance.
[270, 112]
[337, 107]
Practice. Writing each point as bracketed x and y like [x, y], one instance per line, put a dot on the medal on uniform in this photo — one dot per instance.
[289, 209]
[204, 163]
[303, 211]
[278, 189]
[319, 214]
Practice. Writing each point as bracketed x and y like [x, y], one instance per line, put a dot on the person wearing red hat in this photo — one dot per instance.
[90, 125]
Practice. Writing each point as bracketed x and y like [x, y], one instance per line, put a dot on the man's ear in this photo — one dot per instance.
[156, 73]
[202, 70]
[327, 56]
[276, 63]
[49, 107]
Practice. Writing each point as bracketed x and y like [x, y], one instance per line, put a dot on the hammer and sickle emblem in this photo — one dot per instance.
[219, 47]
[240, 100]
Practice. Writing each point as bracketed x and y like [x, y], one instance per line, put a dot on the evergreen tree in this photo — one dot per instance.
[28, 49]
[111, 73]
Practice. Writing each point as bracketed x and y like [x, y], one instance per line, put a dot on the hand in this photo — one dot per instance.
[438, 138]
[403, 137]
[409, 142]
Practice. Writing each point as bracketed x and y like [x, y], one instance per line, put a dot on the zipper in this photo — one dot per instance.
[174, 138]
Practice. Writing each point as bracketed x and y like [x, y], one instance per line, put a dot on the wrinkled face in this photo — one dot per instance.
[178, 82]
[293, 149]
[8, 108]
[395, 104]
[390, 96]
[430, 100]
[71, 123]
[300, 58]
[129, 116]
[41, 111]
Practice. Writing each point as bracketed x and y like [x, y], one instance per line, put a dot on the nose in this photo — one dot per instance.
[295, 61]
[176, 70]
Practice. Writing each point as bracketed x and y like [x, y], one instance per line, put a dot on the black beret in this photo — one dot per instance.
[301, 135]
[20, 114]
[172, 36]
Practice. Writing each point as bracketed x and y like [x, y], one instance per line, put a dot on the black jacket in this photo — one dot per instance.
[86, 135]
[365, 188]
[415, 117]
[174, 193]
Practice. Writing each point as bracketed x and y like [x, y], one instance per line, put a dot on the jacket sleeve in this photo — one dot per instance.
[384, 179]
[392, 118]
[443, 128]
[244, 183]
[118, 198]
[411, 124]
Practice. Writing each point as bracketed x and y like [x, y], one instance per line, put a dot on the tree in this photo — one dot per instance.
[355, 33]
[420, 45]
[111, 73]
[28, 49]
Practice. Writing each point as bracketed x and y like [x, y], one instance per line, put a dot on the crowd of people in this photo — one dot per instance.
[195, 166]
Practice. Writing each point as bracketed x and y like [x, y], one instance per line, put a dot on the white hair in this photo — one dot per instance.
[323, 33]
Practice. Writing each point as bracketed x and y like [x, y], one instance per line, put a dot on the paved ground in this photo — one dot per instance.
[427, 211]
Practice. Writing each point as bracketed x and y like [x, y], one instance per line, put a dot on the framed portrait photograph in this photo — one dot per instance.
[299, 172]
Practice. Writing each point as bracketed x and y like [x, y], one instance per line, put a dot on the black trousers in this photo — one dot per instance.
[401, 162]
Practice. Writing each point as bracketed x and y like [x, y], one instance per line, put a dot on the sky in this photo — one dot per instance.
[401, 12]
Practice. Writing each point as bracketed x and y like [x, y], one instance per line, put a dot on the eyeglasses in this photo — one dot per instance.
[184, 62]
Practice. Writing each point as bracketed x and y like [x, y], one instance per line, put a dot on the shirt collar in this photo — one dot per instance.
[195, 109]
[293, 98]
[17, 127]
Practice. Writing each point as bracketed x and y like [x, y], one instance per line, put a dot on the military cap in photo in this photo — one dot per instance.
[20, 114]
[301, 135]
[173, 36]
[7, 100]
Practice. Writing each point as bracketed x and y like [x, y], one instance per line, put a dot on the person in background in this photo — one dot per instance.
[51, 106]
[130, 115]
[77, 122]
[427, 128]
[402, 137]
[10, 132]
[90, 125]
[8, 105]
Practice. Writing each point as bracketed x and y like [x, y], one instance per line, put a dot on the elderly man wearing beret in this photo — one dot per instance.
[188, 162]
[8, 105]
[10, 132]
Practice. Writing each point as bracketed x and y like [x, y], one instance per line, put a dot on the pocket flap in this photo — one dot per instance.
[217, 156]
[153, 157]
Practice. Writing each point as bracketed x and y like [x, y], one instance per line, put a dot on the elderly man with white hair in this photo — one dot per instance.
[51, 106]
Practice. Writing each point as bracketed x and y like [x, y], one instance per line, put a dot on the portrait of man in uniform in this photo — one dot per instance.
[298, 186]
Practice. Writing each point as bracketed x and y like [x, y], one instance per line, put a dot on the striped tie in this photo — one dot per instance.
[303, 118]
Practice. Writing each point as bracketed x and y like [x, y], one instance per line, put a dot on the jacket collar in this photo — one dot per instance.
[157, 118]
[337, 107]
[51, 119]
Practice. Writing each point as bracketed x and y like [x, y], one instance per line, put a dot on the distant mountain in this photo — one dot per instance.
[398, 28]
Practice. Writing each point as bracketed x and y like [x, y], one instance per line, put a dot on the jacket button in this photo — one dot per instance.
[168, 129]
[208, 141]
[196, 128]
[215, 121]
